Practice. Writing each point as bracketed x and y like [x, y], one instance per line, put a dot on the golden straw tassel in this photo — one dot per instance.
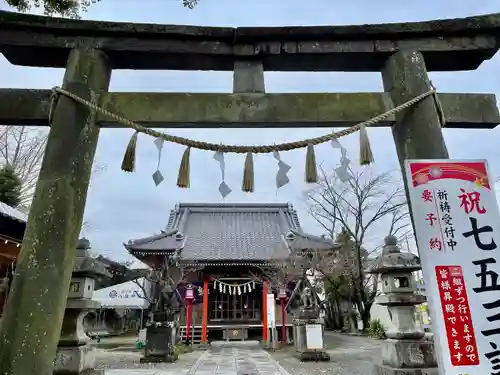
[311, 169]
[365, 150]
[128, 163]
[183, 177]
[248, 183]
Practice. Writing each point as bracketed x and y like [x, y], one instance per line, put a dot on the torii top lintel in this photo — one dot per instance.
[447, 45]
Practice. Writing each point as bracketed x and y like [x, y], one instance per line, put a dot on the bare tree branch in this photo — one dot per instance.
[146, 294]
[362, 207]
[22, 148]
[359, 204]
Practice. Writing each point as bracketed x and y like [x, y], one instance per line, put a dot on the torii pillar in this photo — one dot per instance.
[89, 50]
[417, 132]
[35, 308]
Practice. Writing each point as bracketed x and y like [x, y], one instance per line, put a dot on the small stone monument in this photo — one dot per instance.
[74, 354]
[308, 330]
[404, 351]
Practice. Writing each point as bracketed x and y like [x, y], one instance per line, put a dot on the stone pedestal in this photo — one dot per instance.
[74, 360]
[401, 309]
[74, 354]
[407, 357]
[405, 352]
[308, 336]
[160, 339]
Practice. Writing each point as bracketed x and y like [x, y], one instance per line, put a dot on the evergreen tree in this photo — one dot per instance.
[62, 8]
[67, 8]
[10, 186]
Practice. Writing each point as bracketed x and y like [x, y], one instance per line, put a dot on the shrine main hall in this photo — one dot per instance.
[222, 249]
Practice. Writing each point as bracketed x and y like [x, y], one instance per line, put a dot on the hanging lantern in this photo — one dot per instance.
[189, 293]
[282, 293]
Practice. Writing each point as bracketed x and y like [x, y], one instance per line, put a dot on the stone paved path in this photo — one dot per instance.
[350, 355]
[242, 358]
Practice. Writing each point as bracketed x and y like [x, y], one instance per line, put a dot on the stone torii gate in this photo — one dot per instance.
[89, 51]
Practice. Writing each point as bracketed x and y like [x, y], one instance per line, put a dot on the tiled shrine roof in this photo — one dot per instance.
[12, 213]
[222, 232]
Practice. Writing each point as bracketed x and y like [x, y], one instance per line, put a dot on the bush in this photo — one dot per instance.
[182, 348]
[377, 329]
[10, 186]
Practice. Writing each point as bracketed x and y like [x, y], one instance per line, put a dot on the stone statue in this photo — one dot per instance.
[306, 298]
[164, 308]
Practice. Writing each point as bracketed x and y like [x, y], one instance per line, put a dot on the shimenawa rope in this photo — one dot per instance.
[366, 156]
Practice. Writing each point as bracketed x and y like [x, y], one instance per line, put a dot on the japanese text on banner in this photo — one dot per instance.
[457, 222]
[457, 317]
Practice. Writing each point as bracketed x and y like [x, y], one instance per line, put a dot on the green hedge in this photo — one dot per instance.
[377, 329]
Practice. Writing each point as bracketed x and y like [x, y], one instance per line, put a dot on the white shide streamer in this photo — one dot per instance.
[342, 171]
[157, 176]
[283, 168]
[224, 190]
[234, 289]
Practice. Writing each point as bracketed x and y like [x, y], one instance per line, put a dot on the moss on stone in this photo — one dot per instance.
[232, 108]
[35, 309]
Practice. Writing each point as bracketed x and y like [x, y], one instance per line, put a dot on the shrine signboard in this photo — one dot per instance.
[457, 224]
[271, 310]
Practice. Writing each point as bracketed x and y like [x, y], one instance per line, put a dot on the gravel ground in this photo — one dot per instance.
[120, 359]
[350, 355]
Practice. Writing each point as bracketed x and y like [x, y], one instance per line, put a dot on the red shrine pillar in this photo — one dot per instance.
[205, 313]
[264, 312]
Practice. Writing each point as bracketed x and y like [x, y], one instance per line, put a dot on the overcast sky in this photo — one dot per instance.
[124, 206]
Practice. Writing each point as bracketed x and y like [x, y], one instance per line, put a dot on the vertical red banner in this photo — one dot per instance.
[457, 316]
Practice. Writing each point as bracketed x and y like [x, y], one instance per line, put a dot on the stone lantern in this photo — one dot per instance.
[74, 354]
[404, 350]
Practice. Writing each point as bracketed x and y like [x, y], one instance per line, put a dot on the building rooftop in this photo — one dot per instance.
[12, 224]
[240, 233]
[12, 213]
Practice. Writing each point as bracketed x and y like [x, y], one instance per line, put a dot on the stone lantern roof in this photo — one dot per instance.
[85, 265]
[393, 260]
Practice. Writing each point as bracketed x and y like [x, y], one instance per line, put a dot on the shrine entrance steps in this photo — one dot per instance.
[195, 334]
